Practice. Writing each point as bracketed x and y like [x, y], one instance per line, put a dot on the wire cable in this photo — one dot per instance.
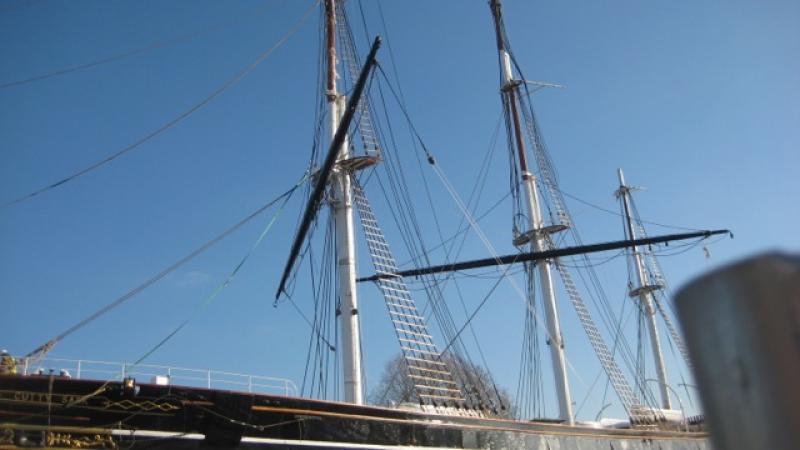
[20, 4]
[227, 85]
[227, 280]
[152, 280]
[141, 50]
[615, 213]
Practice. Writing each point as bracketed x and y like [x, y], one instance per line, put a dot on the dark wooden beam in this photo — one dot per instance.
[330, 160]
[548, 254]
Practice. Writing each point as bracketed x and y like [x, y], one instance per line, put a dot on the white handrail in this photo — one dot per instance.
[180, 376]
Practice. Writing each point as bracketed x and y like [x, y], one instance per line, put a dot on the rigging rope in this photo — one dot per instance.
[495, 255]
[462, 230]
[227, 280]
[152, 280]
[468, 216]
[554, 199]
[411, 231]
[477, 309]
[22, 3]
[225, 86]
[102, 388]
[141, 50]
[615, 213]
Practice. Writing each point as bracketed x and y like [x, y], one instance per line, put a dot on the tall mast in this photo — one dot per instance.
[643, 292]
[342, 203]
[538, 232]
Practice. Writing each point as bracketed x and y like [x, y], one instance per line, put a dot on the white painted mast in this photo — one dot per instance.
[342, 203]
[643, 292]
[538, 231]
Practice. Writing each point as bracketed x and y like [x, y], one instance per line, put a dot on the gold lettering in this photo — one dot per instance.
[31, 397]
[6, 436]
[68, 399]
[85, 441]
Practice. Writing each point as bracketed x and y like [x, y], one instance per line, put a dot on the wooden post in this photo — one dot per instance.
[742, 327]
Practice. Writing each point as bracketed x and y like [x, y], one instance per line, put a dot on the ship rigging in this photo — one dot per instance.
[363, 156]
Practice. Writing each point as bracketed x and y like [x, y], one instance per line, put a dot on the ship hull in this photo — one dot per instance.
[56, 412]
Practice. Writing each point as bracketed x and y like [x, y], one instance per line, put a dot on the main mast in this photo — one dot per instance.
[643, 292]
[538, 232]
[342, 203]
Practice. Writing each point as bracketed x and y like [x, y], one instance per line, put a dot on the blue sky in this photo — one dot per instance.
[697, 101]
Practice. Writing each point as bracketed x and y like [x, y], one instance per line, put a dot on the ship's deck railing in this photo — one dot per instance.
[176, 376]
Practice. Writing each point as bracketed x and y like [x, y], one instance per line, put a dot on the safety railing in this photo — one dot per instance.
[176, 376]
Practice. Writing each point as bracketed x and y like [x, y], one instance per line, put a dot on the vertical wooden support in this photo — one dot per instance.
[742, 326]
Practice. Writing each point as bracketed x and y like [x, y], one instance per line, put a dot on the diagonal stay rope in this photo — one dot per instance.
[221, 287]
[286, 196]
[152, 280]
[126, 54]
[227, 85]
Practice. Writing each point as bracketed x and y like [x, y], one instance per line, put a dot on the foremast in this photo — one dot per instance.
[342, 204]
[644, 292]
[538, 233]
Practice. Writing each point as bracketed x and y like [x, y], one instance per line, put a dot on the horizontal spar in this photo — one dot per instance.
[547, 254]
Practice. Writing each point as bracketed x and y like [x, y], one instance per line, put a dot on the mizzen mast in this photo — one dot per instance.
[644, 292]
[536, 237]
